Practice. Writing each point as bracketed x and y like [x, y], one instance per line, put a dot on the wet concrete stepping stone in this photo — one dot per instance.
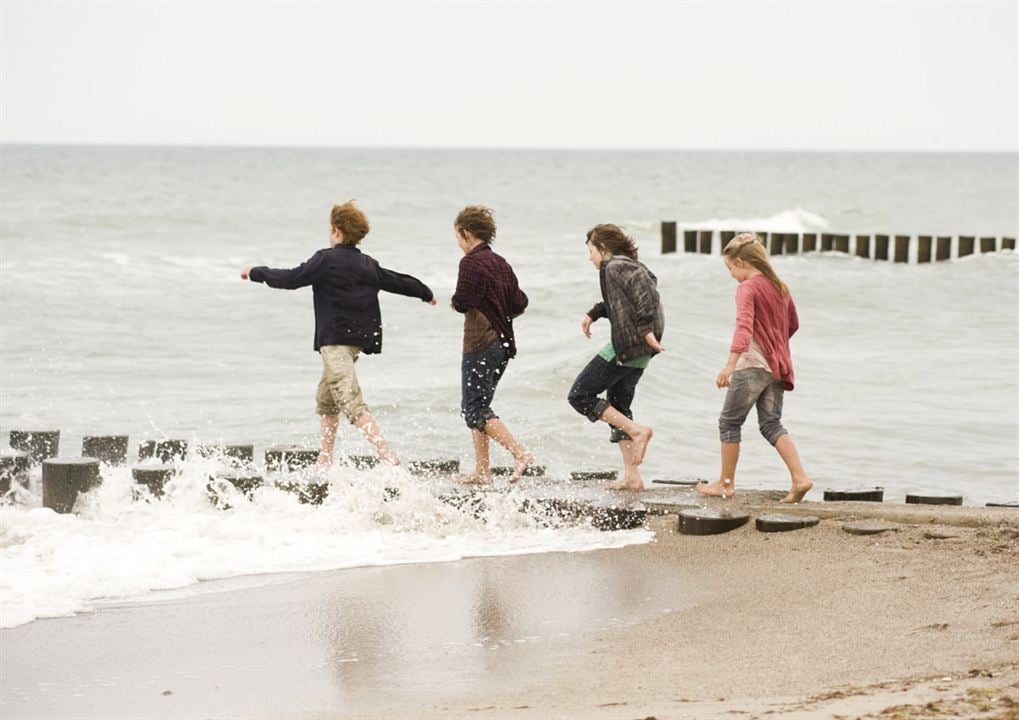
[869, 527]
[434, 468]
[531, 471]
[687, 483]
[876, 494]
[1004, 505]
[582, 475]
[703, 521]
[785, 523]
[362, 462]
[916, 499]
[940, 534]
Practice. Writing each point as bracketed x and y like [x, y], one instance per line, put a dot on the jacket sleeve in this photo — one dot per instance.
[597, 311]
[518, 302]
[640, 287]
[298, 277]
[470, 286]
[794, 318]
[744, 331]
[401, 284]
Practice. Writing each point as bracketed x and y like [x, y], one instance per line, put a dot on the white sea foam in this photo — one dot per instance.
[795, 220]
[116, 547]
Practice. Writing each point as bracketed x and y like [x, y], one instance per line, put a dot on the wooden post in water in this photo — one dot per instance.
[827, 241]
[63, 480]
[966, 244]
[689, 241]
[923, 248]
[809, 242]
[944, 249]
[668, 237]
[777, 243]
[792, 243]
[705, 241]
[109, 449]
[1008, 243]
[863, 246]
[902, 248]
[987, 244]
[880, 247]
[842, 244]
[39, 444]
[726, 236]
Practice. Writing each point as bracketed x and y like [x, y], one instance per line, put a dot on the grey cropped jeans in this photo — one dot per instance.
[753, 386]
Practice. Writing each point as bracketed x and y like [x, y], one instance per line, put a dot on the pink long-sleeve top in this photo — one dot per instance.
[765, 315]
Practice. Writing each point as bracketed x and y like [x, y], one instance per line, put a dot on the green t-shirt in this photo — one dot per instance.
[608, 353]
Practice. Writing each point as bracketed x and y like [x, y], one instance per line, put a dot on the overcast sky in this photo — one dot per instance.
[762, 75]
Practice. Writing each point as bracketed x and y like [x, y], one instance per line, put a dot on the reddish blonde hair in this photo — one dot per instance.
[349, 220]
[749, 248]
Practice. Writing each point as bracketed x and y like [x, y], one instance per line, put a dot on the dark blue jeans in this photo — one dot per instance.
[619, 384]
[480, 372]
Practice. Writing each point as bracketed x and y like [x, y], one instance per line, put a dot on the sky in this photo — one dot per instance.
[750, 76]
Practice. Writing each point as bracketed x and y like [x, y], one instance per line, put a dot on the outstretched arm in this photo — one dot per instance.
[403, 284]
[298, 277]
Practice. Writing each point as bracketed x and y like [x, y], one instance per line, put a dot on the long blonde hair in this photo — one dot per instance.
[749, 248]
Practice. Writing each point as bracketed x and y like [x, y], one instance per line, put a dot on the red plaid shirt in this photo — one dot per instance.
[487, 282]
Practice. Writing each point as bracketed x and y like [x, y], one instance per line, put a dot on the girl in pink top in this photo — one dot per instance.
[760, 367]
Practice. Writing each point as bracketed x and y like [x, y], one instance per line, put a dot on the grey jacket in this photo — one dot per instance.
[631, 303]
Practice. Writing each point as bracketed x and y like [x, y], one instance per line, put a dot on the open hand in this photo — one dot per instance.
[653, 343]
[585, 325]
[433, 301]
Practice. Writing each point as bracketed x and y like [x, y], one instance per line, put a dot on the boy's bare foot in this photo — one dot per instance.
[801, 486]
[520, 466]
[475, 479]
[635, 484]
[323, 460]
[640, 440]
[720, 488]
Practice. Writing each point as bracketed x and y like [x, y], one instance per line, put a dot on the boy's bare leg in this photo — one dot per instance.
[631, 472]
[639, 434]
[801, 481]
[496, 429]
[366, 423]
[726, 484]
[327, 438]
[482, 474]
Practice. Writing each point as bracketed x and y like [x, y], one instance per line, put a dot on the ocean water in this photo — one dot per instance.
[122, 311]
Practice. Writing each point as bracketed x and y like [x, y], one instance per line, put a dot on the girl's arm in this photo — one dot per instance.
[794, 318]
[741, 336]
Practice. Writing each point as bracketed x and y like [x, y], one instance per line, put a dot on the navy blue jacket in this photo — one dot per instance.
[346, 285]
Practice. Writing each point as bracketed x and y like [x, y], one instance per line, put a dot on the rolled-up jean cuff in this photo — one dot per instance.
[618, 435]
[731, 436]
[597, 409]
[773, 439]
[477, 421]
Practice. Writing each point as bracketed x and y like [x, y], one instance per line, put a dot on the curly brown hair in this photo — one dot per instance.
[611, 238]
[349, 220]
[478, 221]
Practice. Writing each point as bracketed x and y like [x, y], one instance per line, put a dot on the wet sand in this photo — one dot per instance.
[808, 624]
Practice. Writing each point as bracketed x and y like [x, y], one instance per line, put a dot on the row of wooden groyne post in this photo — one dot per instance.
[895, 248]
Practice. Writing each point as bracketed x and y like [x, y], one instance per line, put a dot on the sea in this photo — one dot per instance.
[122, 311]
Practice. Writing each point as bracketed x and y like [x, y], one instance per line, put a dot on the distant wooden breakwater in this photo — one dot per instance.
[896, 248]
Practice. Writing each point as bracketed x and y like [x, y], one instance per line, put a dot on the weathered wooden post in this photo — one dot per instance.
[763, 236]
[14, 469]
[863, 246]
[966, 243]
[165, 450]
[809, 242]
[1008, 243]
[944, 248]
[842, 244]
[923, 248]
[902, 248]
[792, 243]
[705, 244]
[726, 237]
[690, 241]
[827, 241]
[233, 454]
[287, 458]
[987, 244]
[154, 477]
[668, 236]
[434, 468]
[63, 480]
[880, 247]
[777, 243]
[110, 449]
[39, 444]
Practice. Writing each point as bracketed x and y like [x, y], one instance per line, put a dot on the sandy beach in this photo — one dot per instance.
[809, 624]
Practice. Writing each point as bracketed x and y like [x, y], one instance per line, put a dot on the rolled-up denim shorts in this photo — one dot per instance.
[480, 372]
[618, 382]
[747, 388]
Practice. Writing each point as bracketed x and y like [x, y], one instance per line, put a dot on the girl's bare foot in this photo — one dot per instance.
[520, 466]
[626, 484]
[475, 478]
[323, 460]
[721, 488]
[801, 486]
[640, 440]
